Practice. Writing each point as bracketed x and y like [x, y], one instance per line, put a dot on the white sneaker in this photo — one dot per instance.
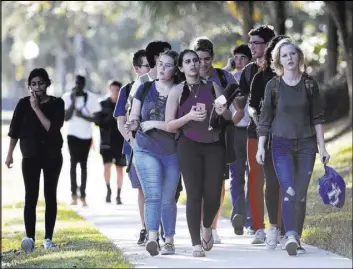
[216, 238]
[292, 245]
[27, 244]
[272, 238]
[48, 244]
[259, 237]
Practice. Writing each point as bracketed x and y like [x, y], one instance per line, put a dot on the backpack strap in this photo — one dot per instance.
[250, 72]
[128, 88]
[146, 87]
[274, 93]
[309, 86]
[222, 77]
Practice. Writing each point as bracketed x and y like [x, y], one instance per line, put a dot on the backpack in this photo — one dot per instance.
[250, 72]
[146, 87]
[332, 188]
[222, 78]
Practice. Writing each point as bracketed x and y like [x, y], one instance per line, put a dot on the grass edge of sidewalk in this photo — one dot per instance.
[79, 244]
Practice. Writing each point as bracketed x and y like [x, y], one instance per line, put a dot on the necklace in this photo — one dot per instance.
[191, 86]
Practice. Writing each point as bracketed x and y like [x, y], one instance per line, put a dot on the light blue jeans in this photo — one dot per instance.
[159, 177]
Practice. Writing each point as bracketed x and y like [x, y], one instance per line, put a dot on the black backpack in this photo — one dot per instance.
[222, 77]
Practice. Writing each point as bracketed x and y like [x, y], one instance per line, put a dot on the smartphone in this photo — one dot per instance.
[232, 63]
[200, 107]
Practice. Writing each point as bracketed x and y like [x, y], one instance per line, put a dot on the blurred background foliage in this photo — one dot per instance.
[97, 39]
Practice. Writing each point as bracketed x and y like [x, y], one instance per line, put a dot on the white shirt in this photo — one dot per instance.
[77, 126]
[142, 79]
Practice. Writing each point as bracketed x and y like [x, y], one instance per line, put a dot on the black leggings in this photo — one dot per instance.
[31, 169]
[202, 167]
[79, 150]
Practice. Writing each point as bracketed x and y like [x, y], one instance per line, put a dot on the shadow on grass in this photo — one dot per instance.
[79, 244]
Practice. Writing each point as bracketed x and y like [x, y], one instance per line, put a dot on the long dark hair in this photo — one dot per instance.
[180, 62]
[266, 66]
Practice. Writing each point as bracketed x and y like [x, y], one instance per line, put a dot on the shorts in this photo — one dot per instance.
[135, 182]
[113, 156]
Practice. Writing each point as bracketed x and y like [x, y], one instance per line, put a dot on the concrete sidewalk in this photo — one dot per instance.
[122, 225]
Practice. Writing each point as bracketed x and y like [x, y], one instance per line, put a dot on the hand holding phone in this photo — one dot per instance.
[200, 107]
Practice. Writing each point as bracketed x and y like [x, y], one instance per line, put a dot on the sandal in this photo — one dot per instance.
[207, 245]
[198, 251]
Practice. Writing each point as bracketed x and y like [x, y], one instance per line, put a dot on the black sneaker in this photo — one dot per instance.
[108, 197]
[118, 201]
[159, 246]
[300, 249]
[237, 223]
[142, 238]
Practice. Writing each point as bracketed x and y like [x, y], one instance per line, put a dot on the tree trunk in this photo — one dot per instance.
[332, 49]
[247, 8]
[60, 71]
[79, 60]
[280, 18]
[342, 13]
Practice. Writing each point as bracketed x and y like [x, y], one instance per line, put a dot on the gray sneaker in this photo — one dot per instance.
[272, 238]
[27, 244]
[168, 249]
[259, 237]
[48, 244]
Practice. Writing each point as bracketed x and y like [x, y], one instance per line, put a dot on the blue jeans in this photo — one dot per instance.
[159, 177]
[294, 162]
[239, 194]
[239, 178]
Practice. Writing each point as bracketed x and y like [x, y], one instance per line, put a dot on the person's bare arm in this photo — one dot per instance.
[9, 158]
[121, 120]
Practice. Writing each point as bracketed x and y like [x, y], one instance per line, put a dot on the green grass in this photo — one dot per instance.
[325, 227]
[79, 244]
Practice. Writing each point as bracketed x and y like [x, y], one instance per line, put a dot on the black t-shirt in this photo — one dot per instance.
[246, 79]
[34, 139]
[110, 135]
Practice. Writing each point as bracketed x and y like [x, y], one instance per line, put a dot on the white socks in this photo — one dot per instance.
[152, 235]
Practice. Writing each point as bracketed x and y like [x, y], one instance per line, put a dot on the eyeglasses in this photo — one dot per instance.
[255, 43]
[144, 65]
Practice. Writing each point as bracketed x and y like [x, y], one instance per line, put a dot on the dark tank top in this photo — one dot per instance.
[198, 130]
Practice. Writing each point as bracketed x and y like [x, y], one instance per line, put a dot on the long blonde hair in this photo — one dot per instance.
[276, 64]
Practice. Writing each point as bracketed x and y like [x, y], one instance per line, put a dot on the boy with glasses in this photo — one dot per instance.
[259, 39]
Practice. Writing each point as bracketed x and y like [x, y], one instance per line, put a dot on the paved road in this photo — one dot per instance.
[121, 225]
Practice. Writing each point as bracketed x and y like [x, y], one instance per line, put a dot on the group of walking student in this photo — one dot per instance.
[257, 122]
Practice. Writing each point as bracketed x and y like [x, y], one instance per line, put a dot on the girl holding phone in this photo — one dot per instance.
[200, 153]
[36, 122]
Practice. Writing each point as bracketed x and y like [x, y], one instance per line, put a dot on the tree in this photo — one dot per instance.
[342, 14]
